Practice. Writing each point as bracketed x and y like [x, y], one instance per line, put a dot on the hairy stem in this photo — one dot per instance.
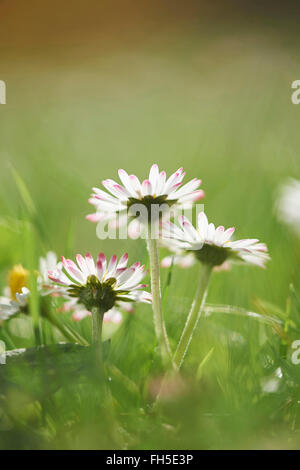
[97, 321]
[194, 315]
[159, 324]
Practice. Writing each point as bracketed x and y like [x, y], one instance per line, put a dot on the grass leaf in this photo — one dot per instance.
[203, 363]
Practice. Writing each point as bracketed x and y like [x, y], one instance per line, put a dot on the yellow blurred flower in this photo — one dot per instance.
[17, 278]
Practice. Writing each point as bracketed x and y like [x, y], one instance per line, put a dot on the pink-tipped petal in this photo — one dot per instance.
[94, 217]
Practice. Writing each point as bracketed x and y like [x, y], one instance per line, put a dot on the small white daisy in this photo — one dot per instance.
[156, 190]
[288, 204]
[212, 245]
[102, 284]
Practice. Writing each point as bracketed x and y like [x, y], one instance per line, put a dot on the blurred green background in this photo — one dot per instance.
[95, 86]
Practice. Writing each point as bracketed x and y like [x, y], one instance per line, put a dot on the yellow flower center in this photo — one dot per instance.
[17, 278]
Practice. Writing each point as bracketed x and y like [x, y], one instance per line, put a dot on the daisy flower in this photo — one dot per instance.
[119, 199]
[211, 245]
[99, 287]
[102, 284]
[288, 204]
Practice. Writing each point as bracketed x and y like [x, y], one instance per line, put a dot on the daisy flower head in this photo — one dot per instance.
[143, 201]
[102, 284]
[211, 245]
[288, 204]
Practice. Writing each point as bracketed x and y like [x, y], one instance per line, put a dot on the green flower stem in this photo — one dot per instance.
[159, 325]
[97, 322]
[194, 315]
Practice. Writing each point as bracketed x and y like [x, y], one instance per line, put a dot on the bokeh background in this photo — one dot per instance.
[95, 86]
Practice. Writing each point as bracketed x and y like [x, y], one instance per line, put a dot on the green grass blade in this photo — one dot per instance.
[203, 363]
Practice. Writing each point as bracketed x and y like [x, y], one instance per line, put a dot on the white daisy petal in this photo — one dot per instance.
[58, 276]
[116, 189]
[172, 180]
[125, 276]
[72, 270]
[83, 265]
[123, 261]
[129, 184]
[135, 182]
[101, 262]
[154, 177]
[202, 225]
[190, 231]
[146, 188]
[161, 183]
[188, 188]
[111, 269]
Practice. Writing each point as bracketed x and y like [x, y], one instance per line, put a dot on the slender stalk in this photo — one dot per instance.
[194, 315]
[159, 325]
[97, 321]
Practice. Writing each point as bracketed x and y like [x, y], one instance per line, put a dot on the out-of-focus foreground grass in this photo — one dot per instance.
[218, 104]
